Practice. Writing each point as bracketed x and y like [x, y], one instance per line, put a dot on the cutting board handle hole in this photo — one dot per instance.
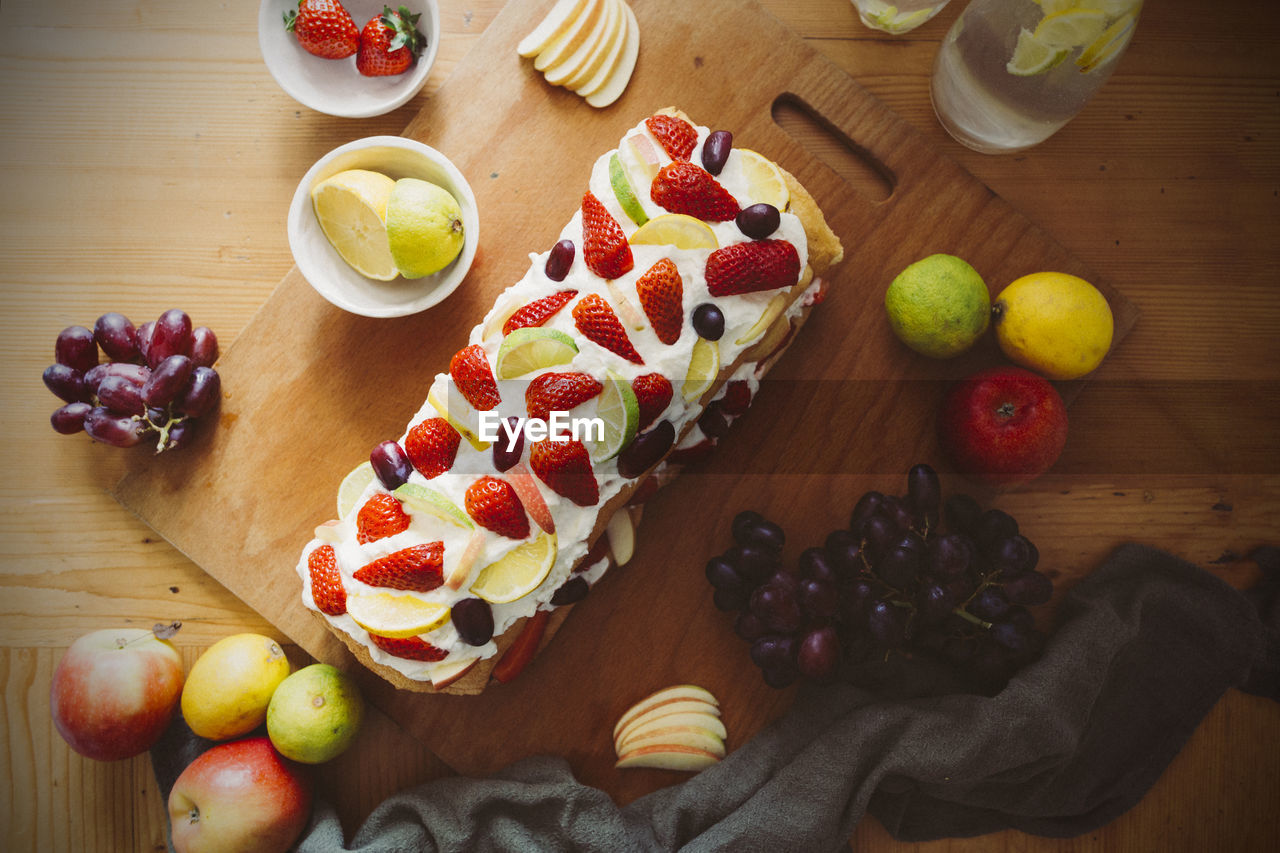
[870, 178]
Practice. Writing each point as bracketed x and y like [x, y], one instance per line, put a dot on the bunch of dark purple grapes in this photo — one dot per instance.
[908, 577]
[158, 379]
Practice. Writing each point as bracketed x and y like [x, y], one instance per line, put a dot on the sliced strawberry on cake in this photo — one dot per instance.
[752, 267]
[676, 136]
[559, 392]
[326, 583]
[494, 505]
[598, 324]
[474, 377]
[605, 250]
[432, 446]
[565, 466]
[419, 568]
[681, 187]
[538, 312]
[661, 293]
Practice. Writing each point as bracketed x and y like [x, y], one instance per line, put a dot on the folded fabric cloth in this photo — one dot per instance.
[1144, 647]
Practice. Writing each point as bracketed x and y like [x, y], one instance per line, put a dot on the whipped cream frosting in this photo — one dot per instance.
[574, 524]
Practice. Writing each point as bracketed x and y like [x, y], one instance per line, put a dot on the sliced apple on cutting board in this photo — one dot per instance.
[588, 46]
[677, 728]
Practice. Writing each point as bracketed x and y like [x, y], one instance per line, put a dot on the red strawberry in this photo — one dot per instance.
[495, 506]
[324, 28]
[380, 517]
[431, 446]
[470, 369]
[418, 567]
[605, 250]
[559, 392]
[736, 399]
[565, 466]
[538, 312]
[751, 267]
[409, 648]
[662, 297]
[597, 322]
[685, 188]
[677, 136]
[326, 583]
[389, 43]
[653, 393]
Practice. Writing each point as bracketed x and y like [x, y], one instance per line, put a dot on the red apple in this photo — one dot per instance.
[1004, 425]
[239, 797]
[114, 692]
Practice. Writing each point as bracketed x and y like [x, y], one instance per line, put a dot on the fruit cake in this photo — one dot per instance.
[681, 277]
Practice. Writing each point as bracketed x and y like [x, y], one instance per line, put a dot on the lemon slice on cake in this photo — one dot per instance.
[517, 574]
[675, 229]
[704, 367]
[353, 486]
[533, 348]
[351, 208]
[764, 181]
[395, 615]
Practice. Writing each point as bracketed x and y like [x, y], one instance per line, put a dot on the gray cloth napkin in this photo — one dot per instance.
[1143, 649]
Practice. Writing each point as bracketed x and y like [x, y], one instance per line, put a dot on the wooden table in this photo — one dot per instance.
[149, 158]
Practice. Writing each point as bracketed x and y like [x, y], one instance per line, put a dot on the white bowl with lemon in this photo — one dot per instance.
[384, 226]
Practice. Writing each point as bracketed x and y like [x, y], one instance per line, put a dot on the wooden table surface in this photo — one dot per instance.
[149, 159]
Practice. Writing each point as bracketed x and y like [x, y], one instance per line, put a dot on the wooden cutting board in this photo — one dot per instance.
[310, 389]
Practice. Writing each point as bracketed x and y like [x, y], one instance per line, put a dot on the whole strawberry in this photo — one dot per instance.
[389, 43]
[681, 187]
[752, 267]
[324, 28]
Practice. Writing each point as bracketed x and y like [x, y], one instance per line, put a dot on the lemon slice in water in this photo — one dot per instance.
[351, 207]
[1113, 40]
[1072, 28]
[1032, 56]
[517, 574]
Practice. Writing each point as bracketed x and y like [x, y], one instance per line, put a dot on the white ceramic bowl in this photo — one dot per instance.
[334, 86]
[326, 271]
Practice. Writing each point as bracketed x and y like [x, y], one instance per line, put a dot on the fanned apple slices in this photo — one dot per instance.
[586, 46]
[677, 728]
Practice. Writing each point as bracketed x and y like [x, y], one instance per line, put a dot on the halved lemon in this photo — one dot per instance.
[423, 499]
[518, 573]
[533, 348]
[1032, 56]
[353, 486]
[618, 408]
[397, 615]
[764, 180]
[675, 229]
[351, 208]
[1072, 28]
[1113, 40]
[704, 367]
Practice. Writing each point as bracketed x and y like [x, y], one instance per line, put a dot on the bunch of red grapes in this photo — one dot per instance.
[158, 378]
[908, 577]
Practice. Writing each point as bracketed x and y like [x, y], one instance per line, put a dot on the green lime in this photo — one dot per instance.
[619, 409]
[626, 194]
[424, 499]
[533, 348]
[424, 227]
[938, 306]
[314, 714]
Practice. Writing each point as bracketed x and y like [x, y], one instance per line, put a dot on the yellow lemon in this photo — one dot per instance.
[938, 306]
[314, 714]
[230, 685]
[1057, 324]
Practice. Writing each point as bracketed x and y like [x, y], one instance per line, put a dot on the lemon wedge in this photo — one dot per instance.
[353, 486]
[351, 208]
[764, 180]
[533, 348]
[1072, 28]
[1032, 56]
[1113, 40]
[704, 367]
[395, 615]
[675, 229]
[517, 574]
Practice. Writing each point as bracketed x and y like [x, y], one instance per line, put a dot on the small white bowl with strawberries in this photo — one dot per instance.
[349, 58]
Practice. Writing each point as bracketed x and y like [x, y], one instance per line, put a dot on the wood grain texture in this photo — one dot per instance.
[148, 163]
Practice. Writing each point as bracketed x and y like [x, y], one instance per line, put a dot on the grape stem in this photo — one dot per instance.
[969, 617]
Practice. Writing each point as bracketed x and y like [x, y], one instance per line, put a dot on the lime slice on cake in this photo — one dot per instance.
[764, 180]
[533, 348]
[625, 192]
[423, 499]
[351, 208]
[353, 486]
[396, 615]
[619, 409]
[1032, 56]
[704, 367]
[517, 574]
[424, 227]
[675, 229]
